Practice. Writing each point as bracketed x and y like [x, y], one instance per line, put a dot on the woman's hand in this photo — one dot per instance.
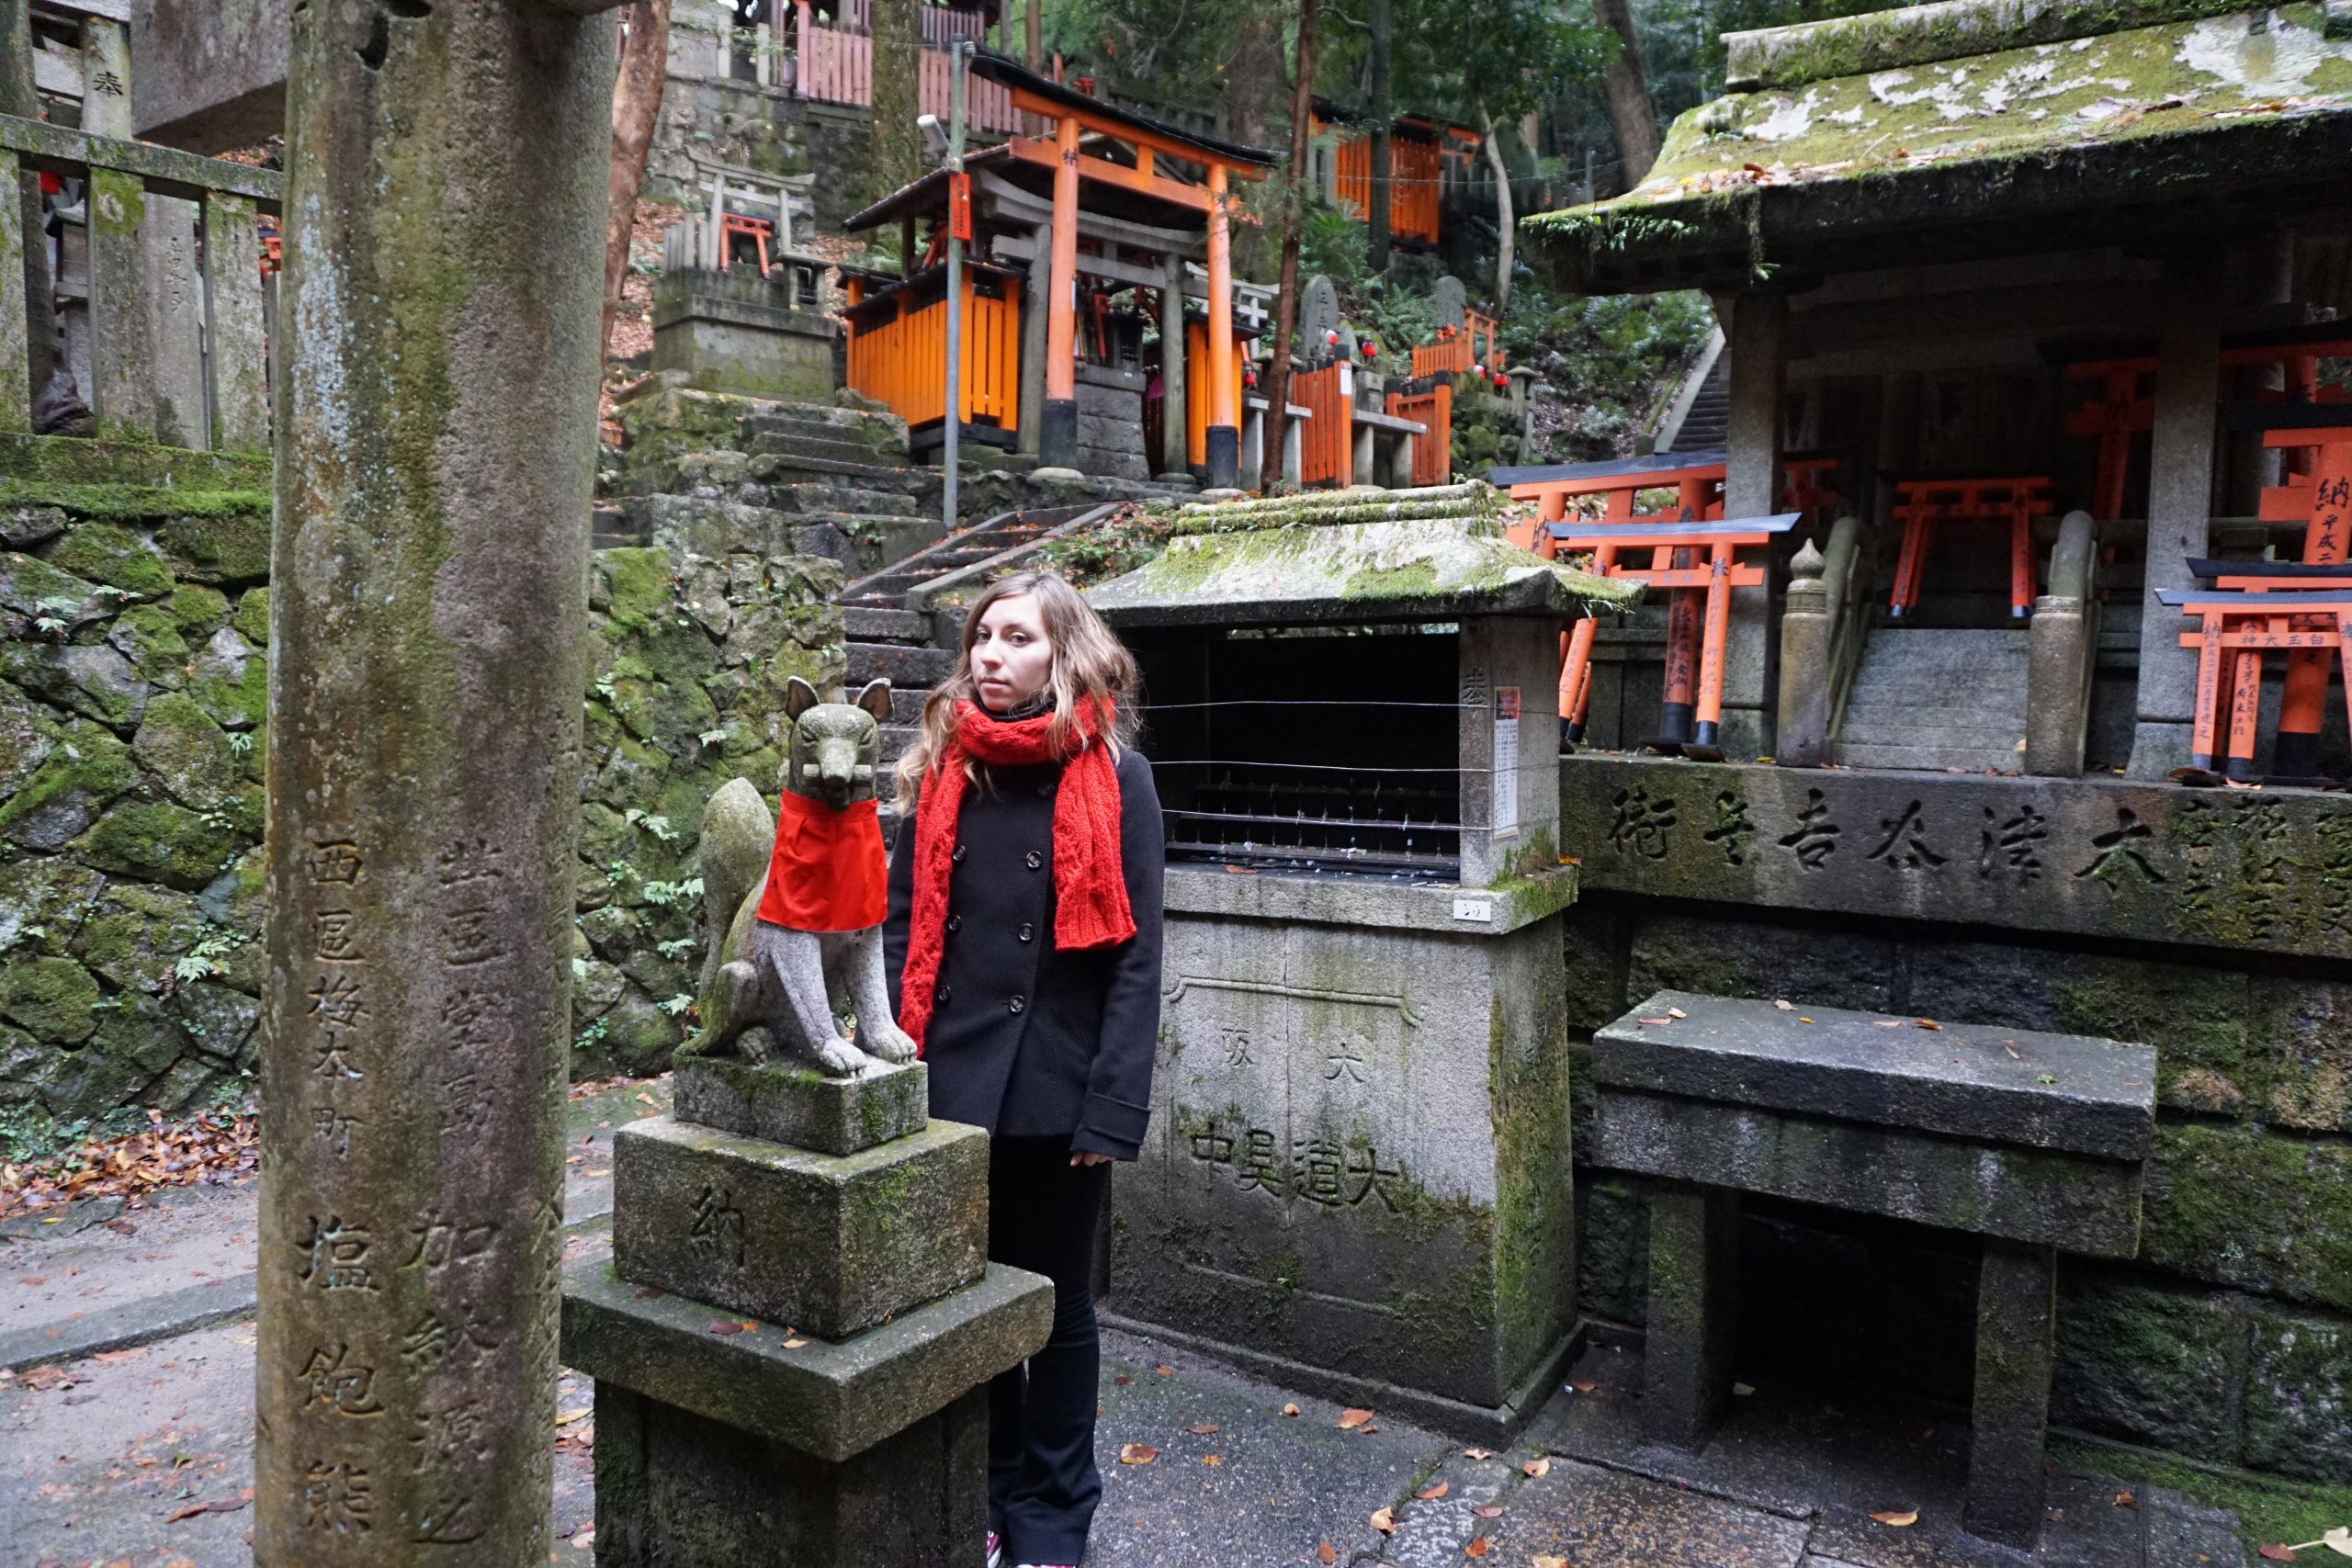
[1088, 1156]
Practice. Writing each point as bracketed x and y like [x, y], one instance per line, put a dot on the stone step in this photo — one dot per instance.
[793, 444]
[1877, 709]
[816, 496]
[898, 664]
[906, 704]
[1939, 736]
[868, 623]
[785, 469]
[897, 740]
[1930, 758]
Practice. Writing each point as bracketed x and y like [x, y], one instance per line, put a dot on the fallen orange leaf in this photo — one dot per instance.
[1385, 1521]
[1536, 1469]
[1290, 1409]
[1478, 1547]
[1479, 1453]
[1327, 1554]
[1584, 1385]
[1899, 1520]
[1203, 1429]
[1164, 1370]
[1542, 1561]
[1212, 1459]
[1137, 1453]
[1351, 1419]
[2276, 1553]
[2125, 1500]
[1432, 1492]
[726, 1325]
[566, 1417]
[1929, 1023]
[177, 1515]
[1489, 1511]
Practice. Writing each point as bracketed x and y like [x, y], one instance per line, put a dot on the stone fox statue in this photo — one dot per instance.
[800, 902]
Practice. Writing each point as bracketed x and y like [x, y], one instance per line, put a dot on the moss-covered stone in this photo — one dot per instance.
[87, 768]
[230, 678]
[2303, 1028]
[2146, 1364]
[637, 585]
[161, 842]
[2298, 1396]
[199, 610]
[27, 733]
[148, 637]
[638, 1036]
[51, 998]
[32, 591]
[185, 752]
[90, 678]
[219, 1021]
[111, 554]
[2259, 1209]
[135, 933]
[43, 901]
[61, 459]
[252, 617]
[231, 547]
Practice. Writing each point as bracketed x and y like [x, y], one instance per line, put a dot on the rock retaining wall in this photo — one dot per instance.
[134, 629]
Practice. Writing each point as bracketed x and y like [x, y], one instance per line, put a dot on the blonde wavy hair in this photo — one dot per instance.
[1090, 665]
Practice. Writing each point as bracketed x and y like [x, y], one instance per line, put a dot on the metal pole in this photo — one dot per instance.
[950, 451]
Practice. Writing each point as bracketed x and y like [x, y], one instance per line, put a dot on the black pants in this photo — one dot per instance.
[1043, 1484]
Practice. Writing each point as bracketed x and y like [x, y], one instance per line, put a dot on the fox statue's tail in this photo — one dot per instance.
[738, 835]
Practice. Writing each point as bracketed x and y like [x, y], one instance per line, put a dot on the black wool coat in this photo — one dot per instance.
[1026, 1040]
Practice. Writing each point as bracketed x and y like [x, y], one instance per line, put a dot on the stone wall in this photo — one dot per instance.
[134, 629]
[705, 121]
[2229, 1339]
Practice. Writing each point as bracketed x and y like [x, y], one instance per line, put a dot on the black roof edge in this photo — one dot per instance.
[1007, 72]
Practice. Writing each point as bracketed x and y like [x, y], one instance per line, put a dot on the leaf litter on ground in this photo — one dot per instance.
[215, 1146]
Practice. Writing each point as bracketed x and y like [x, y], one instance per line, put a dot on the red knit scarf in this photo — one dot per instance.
[1090, 885]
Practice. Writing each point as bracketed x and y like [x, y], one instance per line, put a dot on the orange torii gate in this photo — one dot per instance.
[1096, 142]
[2319, 498]
[2122, 410]
[2256, 607]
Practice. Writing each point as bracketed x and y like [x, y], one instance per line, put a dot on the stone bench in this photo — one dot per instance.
[2032, 1141]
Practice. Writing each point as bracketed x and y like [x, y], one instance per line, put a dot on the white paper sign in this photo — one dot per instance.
[1504, 821]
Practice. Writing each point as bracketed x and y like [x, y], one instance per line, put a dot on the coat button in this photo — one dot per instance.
[946, 992]
[1033, 860]
[1017, 1004]
[1027, 930]
[958, 856]
[954, 923]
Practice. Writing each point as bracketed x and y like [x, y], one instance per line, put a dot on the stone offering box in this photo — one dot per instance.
[1357, 1177]
[791, 1343]
[2034, 1141]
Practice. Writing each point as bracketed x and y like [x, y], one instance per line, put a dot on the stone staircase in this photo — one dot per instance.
[1938, 698]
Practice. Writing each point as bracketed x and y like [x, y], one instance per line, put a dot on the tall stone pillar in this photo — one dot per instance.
[445, 191]
[1751, 485]
[2181, 448]
[18, 97]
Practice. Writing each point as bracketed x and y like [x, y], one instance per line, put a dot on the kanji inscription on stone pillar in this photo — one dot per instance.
[436, 427]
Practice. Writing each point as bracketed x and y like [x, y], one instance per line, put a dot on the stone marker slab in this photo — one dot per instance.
[2267, 870]
[832, 1245]
[2072, 1201]
[2068, 1092]
[802, 1106]
[829, 1400]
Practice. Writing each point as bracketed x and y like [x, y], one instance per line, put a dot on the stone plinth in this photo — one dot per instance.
[2032, 1141]
[832, 1244]
[738, 332]
[790, 1347]
[1357, 1177]
[801, 1106]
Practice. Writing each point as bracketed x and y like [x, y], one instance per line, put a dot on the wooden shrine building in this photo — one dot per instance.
[1087, 242]
[1983, 269]
[1428, 160]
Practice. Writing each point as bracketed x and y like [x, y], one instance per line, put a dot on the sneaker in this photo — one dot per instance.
[996, 1549]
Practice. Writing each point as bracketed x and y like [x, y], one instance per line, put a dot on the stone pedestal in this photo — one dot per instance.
[2017, 1321]
[1694, 1258]
[1357, 1179]
[841, 1420]
[738, 332]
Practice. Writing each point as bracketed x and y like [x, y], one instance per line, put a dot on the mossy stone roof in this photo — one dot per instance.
[2220, 124]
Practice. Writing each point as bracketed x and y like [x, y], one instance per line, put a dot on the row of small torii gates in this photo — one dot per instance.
[1682, 546]
[1055, 226]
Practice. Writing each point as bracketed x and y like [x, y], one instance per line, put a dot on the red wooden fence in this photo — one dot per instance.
[836, 66]
[1433, 450]
[1326, 446]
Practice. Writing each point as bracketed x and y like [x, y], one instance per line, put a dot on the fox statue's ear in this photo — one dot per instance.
[800, 697]
[876, 700]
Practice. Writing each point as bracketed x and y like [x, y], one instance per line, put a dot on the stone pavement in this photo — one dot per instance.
[130, 1441]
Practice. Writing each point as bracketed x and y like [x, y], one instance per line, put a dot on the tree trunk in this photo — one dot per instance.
[1506, 221]
[636, 110]
[1625, 94]
[898, 146]
[1302, 115]
[1384, 115]
[1033, 34]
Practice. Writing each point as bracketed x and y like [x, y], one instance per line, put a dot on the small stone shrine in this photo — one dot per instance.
[1357, 1177]
[793, 1338]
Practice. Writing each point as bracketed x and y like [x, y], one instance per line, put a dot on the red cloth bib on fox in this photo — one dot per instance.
[828, 873]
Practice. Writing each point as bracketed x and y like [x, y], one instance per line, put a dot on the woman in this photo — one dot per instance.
[1023, 944]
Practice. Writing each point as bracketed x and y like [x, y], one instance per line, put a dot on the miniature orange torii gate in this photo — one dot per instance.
[2256, 607]
[2122, 409]
[2317, 436]
[1076, 116]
